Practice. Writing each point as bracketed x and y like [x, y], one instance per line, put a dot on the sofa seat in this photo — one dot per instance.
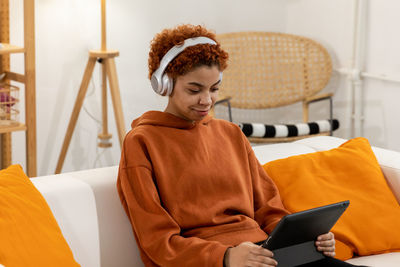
[381, 260]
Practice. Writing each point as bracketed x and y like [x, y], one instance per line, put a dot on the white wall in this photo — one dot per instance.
[67, 29]
[382, 107]
[331, 23]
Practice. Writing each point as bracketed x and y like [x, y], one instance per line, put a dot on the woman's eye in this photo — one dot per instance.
[214, 89]
[193, 91]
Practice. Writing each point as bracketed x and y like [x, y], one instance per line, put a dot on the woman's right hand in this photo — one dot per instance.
[248, 254]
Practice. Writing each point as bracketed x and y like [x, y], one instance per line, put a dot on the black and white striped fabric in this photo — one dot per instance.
[287, 130]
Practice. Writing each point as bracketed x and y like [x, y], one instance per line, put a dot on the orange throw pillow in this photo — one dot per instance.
[350, 172]
[29, 233]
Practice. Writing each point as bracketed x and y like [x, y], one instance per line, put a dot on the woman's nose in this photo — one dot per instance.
[205, 99]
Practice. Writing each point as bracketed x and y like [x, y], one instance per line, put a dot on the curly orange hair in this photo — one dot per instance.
[191, 57]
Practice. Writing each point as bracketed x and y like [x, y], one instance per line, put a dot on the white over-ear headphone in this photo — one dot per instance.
[160, 81]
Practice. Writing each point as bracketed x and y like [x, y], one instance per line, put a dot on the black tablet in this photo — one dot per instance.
[295, 234]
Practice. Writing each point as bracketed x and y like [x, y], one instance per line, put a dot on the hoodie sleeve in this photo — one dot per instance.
[268, 207]
[156, 232]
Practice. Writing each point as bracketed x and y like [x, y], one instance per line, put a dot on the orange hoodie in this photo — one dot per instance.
[191, 190]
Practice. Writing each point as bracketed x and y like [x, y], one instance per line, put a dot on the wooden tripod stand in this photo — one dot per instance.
[106, 58]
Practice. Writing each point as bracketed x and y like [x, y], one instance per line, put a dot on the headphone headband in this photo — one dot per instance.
[161, 83]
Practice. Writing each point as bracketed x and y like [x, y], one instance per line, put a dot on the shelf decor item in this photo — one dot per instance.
[9, 98]
[106, 58]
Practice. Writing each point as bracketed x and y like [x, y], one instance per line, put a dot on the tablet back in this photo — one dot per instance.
[294, 236]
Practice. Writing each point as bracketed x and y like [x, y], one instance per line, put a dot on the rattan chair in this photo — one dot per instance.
[269, 70]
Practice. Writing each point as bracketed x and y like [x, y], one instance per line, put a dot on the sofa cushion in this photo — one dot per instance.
[30, 235]
[370, 225]
[389, 160]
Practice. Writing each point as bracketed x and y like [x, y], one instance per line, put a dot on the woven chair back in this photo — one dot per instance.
[267, 69]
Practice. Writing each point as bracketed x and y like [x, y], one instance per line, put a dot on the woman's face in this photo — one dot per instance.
[194, 93]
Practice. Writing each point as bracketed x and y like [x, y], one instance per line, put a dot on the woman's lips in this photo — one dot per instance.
[202, 112]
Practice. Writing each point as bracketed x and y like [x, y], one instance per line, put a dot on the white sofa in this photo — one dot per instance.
[88, 210]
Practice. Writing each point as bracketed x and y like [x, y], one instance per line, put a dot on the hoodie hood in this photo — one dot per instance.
[159, 118]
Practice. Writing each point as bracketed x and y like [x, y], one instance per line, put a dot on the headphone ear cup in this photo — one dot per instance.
[170, 86]
[155, 83]
[167, 85]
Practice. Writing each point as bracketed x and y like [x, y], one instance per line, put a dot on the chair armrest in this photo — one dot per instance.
[316, 98]
[227, 101]
[223, 100]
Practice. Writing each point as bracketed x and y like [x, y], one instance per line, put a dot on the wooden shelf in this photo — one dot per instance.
[12, 128]
[10, 49]
[27, 78]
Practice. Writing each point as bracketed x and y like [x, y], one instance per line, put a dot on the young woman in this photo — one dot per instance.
[191, 185]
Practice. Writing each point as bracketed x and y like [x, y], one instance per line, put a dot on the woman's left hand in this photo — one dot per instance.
[326, 244]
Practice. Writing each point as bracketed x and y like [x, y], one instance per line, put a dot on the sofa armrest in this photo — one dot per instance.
[389, 161]
[117, 242]
[73, 206]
